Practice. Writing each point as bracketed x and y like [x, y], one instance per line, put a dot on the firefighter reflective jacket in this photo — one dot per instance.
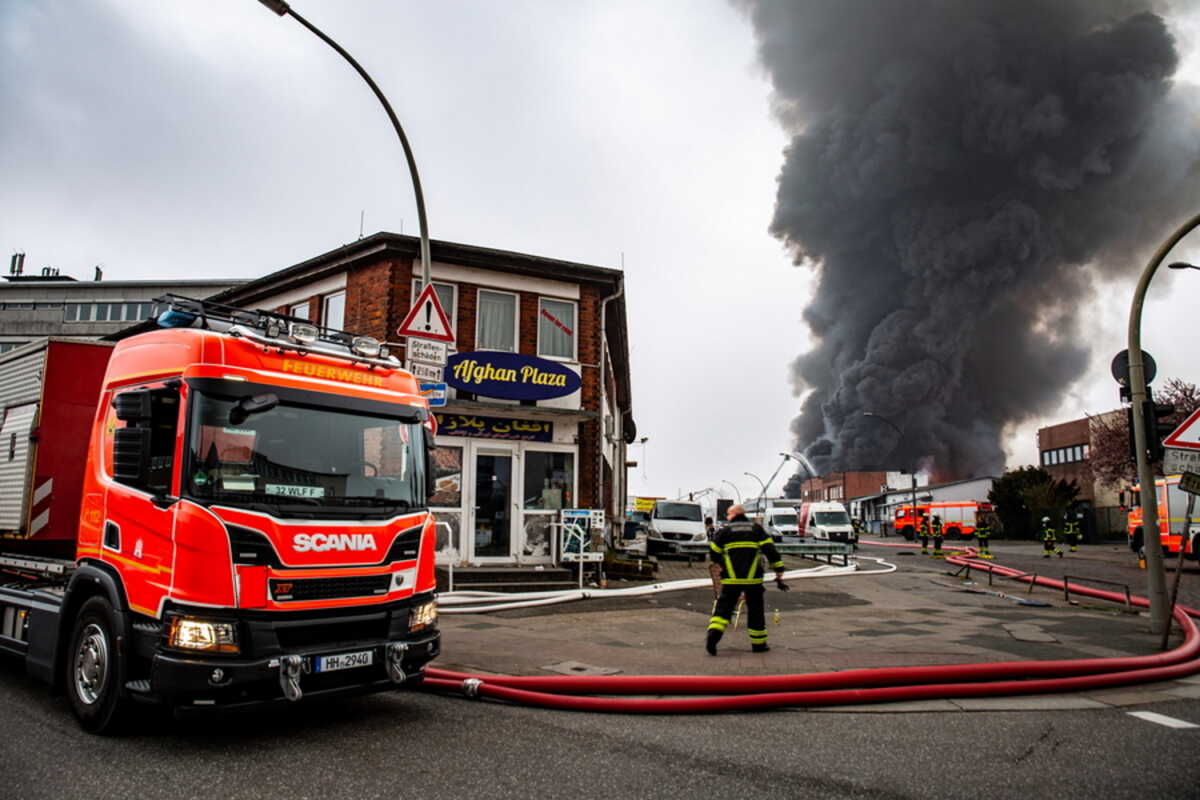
[736, 548]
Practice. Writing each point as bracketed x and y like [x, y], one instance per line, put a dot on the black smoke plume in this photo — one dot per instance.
[961, 173]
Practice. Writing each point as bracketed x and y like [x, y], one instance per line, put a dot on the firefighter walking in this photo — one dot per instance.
[1049, 539]
[937, 537]
[1071, 529]
[923, 532]
[736, 552]
[983, 532]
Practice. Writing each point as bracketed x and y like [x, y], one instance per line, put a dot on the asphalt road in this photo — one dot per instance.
[430, 747]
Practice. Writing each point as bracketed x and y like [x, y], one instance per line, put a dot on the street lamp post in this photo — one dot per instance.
[760, 483]
[912, 473]
[1156, 581]
[736, 491]
[281, 8]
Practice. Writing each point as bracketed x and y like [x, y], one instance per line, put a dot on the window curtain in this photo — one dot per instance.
[556, 329]
[497, 317]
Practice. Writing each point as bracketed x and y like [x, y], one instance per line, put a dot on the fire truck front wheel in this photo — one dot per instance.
[94, 669]
[907, 532]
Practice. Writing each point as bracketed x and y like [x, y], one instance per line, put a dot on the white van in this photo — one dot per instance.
[782, 524]
[673, 523]
[826, 521]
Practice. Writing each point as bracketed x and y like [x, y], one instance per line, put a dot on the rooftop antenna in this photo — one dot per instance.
[361, 216]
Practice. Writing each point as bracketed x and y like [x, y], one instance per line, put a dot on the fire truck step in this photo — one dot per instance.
[142, 686]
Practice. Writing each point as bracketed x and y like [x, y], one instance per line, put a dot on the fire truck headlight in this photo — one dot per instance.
[205, 635]
[423, 616]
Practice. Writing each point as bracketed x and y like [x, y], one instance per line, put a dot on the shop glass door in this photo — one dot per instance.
[493, 517]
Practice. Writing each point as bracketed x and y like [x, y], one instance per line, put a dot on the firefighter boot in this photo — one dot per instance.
[760, 648]
[710, 642]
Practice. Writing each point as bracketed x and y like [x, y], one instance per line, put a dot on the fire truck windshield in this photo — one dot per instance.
[288, 457]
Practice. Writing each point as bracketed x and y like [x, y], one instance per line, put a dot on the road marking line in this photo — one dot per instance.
[1162, 719]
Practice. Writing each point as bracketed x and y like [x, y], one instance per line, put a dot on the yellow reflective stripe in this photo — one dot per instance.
[715, 547]
[754, 632]
[758, 640]
[754, 569]
[729, 567]
[777, 563]
[768, 540]
[740, 581]
[734, 545]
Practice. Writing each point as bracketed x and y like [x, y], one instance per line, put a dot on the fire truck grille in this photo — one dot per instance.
[298, 590]
[320, 633]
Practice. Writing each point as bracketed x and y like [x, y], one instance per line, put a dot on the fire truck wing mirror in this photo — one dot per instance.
[132, 406]
[254, 404]
[131, 454]
[430, 478]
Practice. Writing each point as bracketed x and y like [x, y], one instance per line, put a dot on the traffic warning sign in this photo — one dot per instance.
[426, 319]
[1187, 435]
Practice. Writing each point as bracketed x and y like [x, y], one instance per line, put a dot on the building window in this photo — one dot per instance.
[6, 346]
[556, 329]
[333, 311]
[549, 480]
[496, 328]
[299, 310]
[445, 296]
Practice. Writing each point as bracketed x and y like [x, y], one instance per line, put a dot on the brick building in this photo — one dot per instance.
[505, 467]
[1064, 451]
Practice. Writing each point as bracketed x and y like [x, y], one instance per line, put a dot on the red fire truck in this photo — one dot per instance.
[226, 511]
[1172, 515]
[958, 517]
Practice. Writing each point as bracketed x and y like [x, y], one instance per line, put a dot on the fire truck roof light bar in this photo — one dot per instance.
[271, 329]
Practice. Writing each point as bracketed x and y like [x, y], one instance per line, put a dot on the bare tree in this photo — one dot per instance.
[1110, 452]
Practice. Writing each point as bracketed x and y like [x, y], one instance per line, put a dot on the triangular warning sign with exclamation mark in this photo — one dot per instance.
[426, 319]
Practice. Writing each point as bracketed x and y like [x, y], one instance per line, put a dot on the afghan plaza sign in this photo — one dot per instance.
[510, 376]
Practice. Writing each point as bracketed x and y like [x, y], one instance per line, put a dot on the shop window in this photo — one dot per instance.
[333, 311]
[447, 477]
[549, 480]
[556, 329]
[496, 328]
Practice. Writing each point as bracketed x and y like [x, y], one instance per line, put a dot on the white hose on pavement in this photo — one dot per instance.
[469, 600]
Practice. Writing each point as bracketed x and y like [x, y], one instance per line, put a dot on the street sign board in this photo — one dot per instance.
[1190, 482]
[1177, 461]
[435, 393]
[424, 372]
[1120, 367]
[428, 351]
[427, 319]
[1187, 435]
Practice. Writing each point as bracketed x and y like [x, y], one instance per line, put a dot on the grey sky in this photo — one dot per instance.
[182, 139]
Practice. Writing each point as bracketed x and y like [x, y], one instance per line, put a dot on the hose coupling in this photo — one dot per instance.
[471, 687]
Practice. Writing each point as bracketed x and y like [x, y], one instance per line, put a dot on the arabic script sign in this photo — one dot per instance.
[525, 430]
[511, 376]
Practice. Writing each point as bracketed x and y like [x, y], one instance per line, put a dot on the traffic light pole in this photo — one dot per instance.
[1156, 583]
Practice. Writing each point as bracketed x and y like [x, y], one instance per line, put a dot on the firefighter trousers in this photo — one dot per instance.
[756, 621]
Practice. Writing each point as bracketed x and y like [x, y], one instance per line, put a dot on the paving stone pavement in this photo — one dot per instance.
[918, 615]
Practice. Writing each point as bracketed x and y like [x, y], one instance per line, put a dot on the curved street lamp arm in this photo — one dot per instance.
[282, 9]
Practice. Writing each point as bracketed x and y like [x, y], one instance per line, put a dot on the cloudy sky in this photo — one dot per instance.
[182, 139]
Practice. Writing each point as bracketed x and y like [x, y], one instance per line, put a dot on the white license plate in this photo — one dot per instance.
[363, 658]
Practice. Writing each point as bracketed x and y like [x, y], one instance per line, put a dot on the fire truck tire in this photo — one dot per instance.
[954, 532]
[907, 532]
[94, 669]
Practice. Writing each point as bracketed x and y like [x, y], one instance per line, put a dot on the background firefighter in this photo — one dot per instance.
[983, 533]
[736, 570]
[1049, 539]
[1071, 525]
[937, 537]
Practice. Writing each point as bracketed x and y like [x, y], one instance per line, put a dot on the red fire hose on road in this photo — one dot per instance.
[736, 692]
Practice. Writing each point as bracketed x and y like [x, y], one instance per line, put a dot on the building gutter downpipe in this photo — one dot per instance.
[619, 506]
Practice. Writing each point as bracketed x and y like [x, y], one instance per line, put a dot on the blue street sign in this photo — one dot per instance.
[435, 393]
